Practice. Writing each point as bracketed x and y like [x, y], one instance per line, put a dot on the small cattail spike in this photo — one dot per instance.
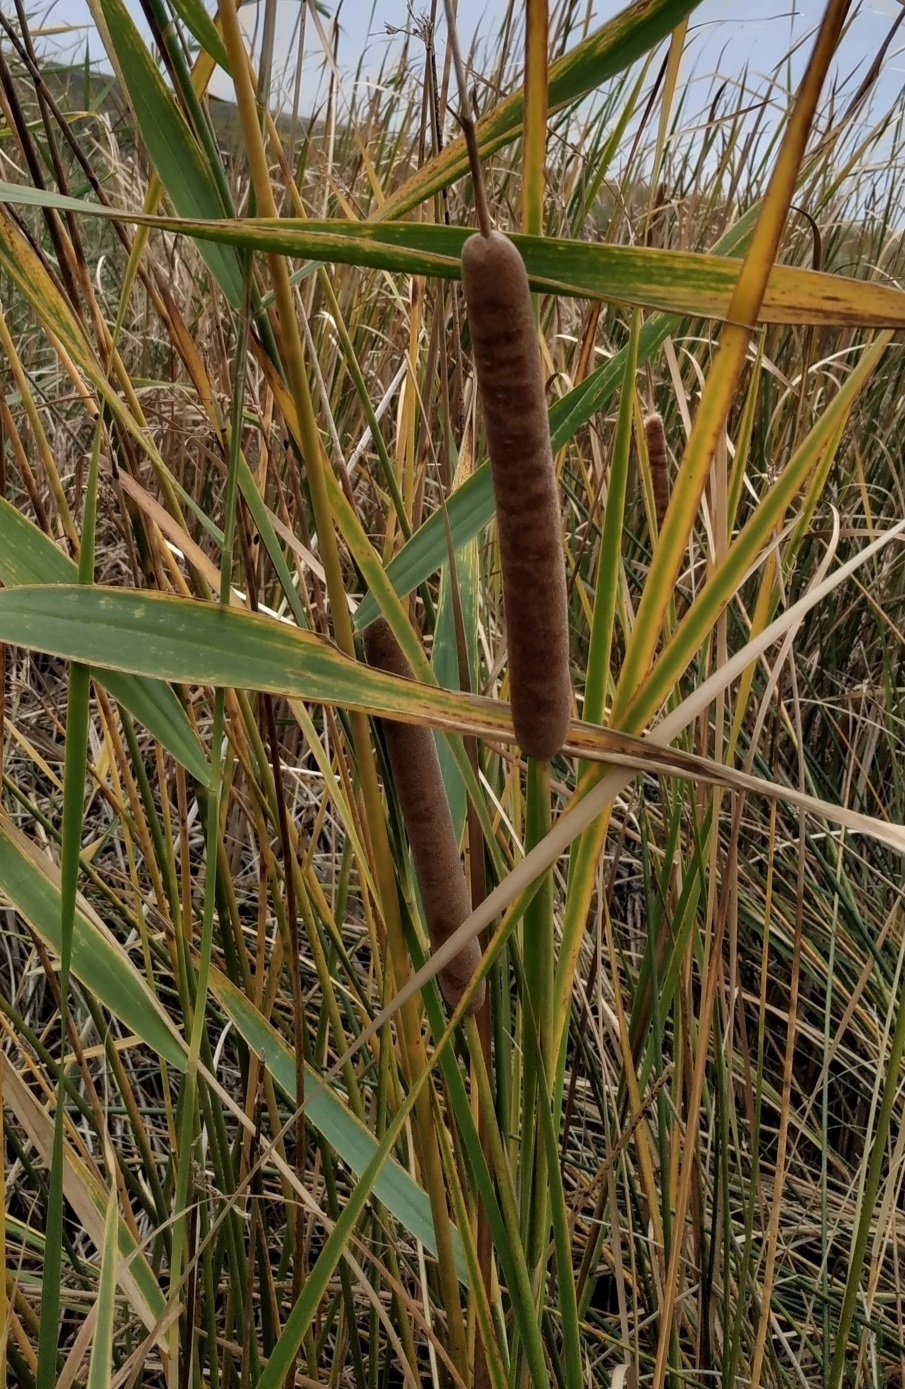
[658, 458]
[418, 780]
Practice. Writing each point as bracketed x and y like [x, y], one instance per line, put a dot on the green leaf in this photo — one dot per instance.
[175, 153]
[351, 1140]
[605, 52]
[199, 23]
[88, 1198]
[444, 659]
[101, 1367]
[202, 643]
[469, 509]
[30, 880]
[674, 282]
[155, 705]
[28, 556]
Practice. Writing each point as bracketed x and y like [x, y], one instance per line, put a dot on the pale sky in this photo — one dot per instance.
[725, 36]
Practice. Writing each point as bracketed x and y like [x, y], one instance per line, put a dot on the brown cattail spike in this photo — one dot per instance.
[428, 824]
[511, 383]
[655, 439]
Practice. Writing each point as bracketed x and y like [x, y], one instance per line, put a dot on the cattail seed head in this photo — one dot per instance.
[415, 767]
[655, 439]
[511, 385]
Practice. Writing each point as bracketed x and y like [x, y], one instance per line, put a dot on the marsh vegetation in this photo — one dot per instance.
[239, 423]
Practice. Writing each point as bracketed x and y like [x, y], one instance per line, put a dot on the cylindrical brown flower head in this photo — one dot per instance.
[511, 385]
[655, 438]
[428, 824]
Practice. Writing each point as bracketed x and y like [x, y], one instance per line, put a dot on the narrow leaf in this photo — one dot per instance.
[28, 556]
[176, 154]
[327, 1113]
[676, 282]
[101, 1367]
[30, 880]
[88, 1198]
[608, 50]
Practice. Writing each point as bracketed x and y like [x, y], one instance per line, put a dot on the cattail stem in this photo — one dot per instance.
[539, 959]
[482, 206]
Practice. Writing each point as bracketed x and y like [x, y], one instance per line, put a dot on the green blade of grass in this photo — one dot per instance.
[129, 630]
[155, 705]
[176, 154]
[393, 1186]
[31, 882]
[605, 52]
[609, 570]
[699, 284]
[199, 23]
[469, 509]
[88, 1198]
[28, 556]
[100, 1369]
[195, 642]
[444, 659]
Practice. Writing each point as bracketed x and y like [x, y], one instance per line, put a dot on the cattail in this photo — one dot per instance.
[510, 380]
[655, 439]
[428, 824]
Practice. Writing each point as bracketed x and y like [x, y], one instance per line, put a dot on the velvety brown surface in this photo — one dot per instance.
[655, 438]
[511, 385]
[428, 824]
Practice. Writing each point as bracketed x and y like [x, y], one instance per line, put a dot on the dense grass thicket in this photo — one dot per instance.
[238, 422]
